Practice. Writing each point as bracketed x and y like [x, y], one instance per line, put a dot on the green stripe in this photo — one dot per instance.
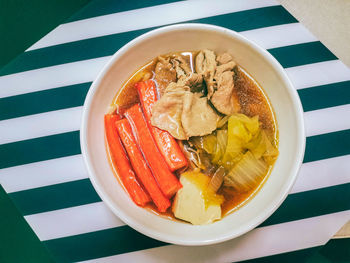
[66, 144]
[300, 256]
[53, 197]
[81, 192]
[106, 7]
[302, 54]
[120, 240]
[312, 203]
[108, 45]
[39, 149]
[328, 145]
[317, 148]
[50, 100]
[314, 98]
[336, 250]
[22, 23]
[17, 239]
[330, 95]
[99, 244]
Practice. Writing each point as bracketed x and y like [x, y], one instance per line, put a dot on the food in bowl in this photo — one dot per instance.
[191, 136]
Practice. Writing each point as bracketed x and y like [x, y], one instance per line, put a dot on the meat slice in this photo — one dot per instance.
[166, 112]
[193, 80]
[181, 66]
[218, 75]
[224, 58]
[164, 74]
[205, 62]
[229, 66]
[206, 65]
[182, 110]
[225, 98]
[185, 75]
[197, 118]
[183, 113]
[176, 88]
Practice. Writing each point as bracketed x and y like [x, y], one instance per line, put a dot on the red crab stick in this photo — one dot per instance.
[166, 143]
[122, 164]
[166, 180]
[139, 164]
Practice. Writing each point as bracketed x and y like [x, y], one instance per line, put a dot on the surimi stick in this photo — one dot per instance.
[122, 164]
[166, 143]
[167, 181]
[139, 164]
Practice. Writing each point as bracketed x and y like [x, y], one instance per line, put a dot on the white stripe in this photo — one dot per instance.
[44, 124]
[144, 18]
[54, 122]
[38, 125]
[51, 77]
[43, 173]
[260, 242]
[327, 120]
[324, 173]
[313, 175]
[87, 70]
[316, 74]
[73, 221]
[279, 36]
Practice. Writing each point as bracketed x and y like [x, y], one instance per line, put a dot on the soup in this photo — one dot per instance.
[192, 136]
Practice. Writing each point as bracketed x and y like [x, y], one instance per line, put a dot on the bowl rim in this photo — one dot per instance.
[297, 107]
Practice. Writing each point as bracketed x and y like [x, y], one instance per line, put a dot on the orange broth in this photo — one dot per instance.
[253, 101]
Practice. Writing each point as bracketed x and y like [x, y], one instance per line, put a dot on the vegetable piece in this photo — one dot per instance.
[271, 152]
[139, 164]
[209, 143]
[166, 144]
[237, 136]
[217, 179]
[261, 146]
[251, 124]
[192, 155]
[247, 173]
[221, 142]
[195, 202]
[208, 167]
[166, 180]
[241, 130]
[122, 165]
[257, 145]
[197, 141]
[221, 123]
[227, 146]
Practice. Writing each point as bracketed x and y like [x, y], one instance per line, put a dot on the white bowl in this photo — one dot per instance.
[259, 64]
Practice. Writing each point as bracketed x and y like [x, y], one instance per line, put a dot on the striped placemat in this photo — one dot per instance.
[41, 168]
